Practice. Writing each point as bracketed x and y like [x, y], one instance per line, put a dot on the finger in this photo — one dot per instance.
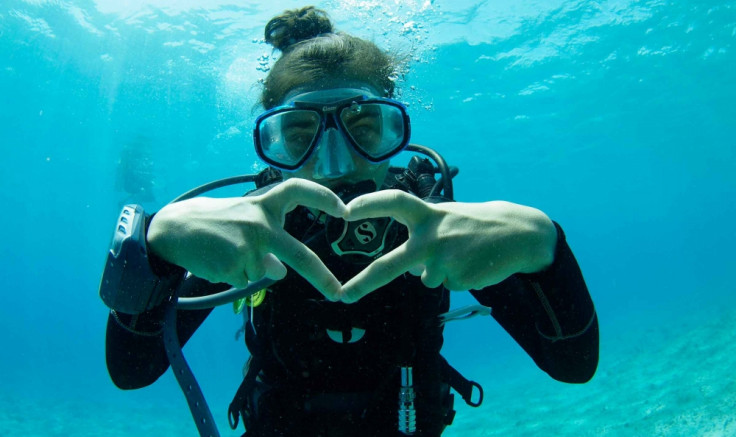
[433, 277]
[455, 285]
[254, 269]
[308, 265]
[417, 270]
[303, 192]
[387, 203]
[251, 265]
[237, 280]
[275, 269]
[379, 273]
[233, 275]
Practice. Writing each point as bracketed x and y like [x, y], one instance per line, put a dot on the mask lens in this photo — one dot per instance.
[377, 129]
[285, 137]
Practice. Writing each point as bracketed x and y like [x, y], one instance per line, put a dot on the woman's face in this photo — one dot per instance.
[334, 161]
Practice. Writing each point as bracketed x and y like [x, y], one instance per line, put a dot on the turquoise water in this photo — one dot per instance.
[617, 118]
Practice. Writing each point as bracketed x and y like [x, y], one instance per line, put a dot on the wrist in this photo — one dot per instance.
[156, 234]
[156, 256]
[131, 283]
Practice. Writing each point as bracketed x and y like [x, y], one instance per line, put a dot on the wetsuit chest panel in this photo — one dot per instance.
[299, 327]
[299, 321]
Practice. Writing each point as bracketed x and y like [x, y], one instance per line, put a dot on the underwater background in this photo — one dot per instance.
[615, 117]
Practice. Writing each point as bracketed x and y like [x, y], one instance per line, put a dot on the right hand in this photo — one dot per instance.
[236, 240]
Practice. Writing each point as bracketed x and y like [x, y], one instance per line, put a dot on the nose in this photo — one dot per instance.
[334, 158]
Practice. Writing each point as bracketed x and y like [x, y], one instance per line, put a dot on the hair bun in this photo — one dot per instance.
[297, 25]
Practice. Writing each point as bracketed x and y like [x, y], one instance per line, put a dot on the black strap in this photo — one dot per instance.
[461, 384]
[237, 406]
[184, 376]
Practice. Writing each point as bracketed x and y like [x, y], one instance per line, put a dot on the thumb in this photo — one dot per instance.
[433, 277]
[274, 268]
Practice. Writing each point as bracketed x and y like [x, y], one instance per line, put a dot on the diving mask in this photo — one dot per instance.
[375, 128]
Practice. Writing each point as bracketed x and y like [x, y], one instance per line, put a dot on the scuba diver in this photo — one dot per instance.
[135, 170]
[353, 260]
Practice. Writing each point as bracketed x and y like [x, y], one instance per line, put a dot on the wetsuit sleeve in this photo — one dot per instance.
[551, 315]
[134, 346]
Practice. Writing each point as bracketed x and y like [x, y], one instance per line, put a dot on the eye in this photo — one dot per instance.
[363, 133]
[297, 140]
[298, 129]
[298, 135]
[363, 123]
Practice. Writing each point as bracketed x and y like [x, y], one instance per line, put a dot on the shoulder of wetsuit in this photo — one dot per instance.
[268, 176]
[265, 180]
[404, 179]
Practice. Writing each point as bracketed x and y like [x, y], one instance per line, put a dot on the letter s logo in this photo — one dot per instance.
[365, 232]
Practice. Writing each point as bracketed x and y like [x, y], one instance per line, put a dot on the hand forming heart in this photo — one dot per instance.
[461, 245]
[237, 240]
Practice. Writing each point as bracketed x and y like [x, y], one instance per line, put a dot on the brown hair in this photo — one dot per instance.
[312, 51]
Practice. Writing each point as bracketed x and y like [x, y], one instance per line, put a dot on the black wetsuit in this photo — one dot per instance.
[310, 383]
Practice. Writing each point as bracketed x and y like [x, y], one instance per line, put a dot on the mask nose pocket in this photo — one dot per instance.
[333, 156]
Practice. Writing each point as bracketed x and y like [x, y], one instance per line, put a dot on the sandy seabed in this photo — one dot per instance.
[669, 380]
[674, 379]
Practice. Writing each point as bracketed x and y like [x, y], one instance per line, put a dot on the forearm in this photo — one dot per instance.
[551, 315]
[134, 346]
[134, 349]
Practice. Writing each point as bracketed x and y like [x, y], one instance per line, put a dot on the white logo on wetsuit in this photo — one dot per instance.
[354, 335]
[365, 232]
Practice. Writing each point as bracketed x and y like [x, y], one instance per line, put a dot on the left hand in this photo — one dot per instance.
[461, 245]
